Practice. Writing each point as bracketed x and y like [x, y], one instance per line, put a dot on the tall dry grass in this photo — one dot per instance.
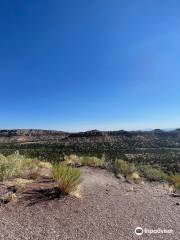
[67, 178]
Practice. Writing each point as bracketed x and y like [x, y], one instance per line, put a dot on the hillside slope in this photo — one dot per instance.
[155, 138]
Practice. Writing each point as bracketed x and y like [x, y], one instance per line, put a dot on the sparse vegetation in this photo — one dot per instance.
[134, 177]
[92, 161]
[76, 161]
[16, 165]
[124, 167]
[175, 180]
[10, 166]
[72, 160]
[152, 174]
[160, 149]
[67, 178]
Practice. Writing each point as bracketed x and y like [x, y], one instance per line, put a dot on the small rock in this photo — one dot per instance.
[175, 195]
[178, 203]
[7, 197]
[130, 189]
[121, 177]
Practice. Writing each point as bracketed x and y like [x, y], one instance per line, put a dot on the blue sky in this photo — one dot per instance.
[79, 65]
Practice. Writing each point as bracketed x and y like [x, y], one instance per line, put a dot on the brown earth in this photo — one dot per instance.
[107, 210]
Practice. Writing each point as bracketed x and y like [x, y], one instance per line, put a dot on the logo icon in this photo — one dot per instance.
[139, 231]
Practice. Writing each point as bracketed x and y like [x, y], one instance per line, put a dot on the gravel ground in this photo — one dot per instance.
[106, 211]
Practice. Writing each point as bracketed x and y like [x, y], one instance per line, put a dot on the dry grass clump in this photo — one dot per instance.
[30, 169]
[128, 170]
[10, 166]
[153, 174]
[92, 161]
[133, 173]
[16, 165]
[42, 164]
[67, 178]
[134, 177]
[73, 160]
[76, 161]
[124, 167]
[34, 168]
[77, 192]
[175, 180]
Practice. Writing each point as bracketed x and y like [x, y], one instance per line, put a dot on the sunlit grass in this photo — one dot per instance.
[124, 167]
[92, 161]
[175, 179]
[16, 165]
[67, 178]
[153, 174]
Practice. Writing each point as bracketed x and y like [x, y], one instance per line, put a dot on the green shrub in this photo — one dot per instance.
[67, 178]
[16, 165]
[124, 167]
[152, 174]
[10, 166]
[134, 177]
[175, 180]
[92, 161]
[72, 160]
[5, 171]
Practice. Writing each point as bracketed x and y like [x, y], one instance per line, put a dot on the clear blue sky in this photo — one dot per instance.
[79, 65]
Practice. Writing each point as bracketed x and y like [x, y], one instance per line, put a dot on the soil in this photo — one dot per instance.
[108, 209]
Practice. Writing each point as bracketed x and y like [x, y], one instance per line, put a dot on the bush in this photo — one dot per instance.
[153, 174]
[134, 177]
[16, 165]
[5, 171]
[92, 161]
[72, 160]
[67, 178]
[175, 180]
[124, 167]
[10, 166]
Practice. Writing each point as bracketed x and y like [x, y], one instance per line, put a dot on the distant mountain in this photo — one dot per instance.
[30, 135]
[154, 138]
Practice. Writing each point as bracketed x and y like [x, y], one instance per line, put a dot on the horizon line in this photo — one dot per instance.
[88, 130]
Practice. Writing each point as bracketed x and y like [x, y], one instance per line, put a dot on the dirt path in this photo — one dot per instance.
[106, 211]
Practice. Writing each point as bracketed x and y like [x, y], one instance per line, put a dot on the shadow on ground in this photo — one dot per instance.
[41, 195]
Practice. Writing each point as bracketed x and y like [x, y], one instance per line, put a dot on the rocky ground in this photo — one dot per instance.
[106, 209]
